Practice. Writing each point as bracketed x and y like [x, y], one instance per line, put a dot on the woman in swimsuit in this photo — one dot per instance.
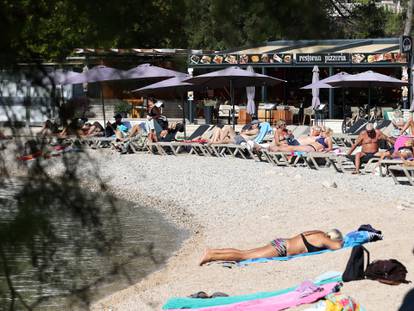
[319, 144]
[306, 242]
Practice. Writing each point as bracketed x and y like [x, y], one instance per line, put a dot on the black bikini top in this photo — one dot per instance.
[311, 248]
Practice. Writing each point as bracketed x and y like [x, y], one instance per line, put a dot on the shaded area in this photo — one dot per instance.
[70, 263]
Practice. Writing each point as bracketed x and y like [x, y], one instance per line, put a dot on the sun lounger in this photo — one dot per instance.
[223, 150]
[402, 174]
[343, 140]
[282, 158]
[316, 160]
[176, 147]
[386, 163]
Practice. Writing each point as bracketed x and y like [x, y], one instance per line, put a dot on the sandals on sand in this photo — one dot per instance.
[204, 295]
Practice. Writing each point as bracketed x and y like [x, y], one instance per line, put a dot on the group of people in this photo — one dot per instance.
[155, 128]
[398, 146]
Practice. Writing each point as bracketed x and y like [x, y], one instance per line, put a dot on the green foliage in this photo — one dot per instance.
[51, 29]
[122, 107]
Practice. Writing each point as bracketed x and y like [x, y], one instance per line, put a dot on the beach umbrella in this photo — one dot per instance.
[97, 74]
[324, 83]
[150, 73]
[315, 91]
[250, 92]
[368, 79]
[234, 77]
[164, 87]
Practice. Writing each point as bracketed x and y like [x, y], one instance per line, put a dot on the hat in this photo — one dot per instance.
[255, 122]
[159, 104]
[118, 116]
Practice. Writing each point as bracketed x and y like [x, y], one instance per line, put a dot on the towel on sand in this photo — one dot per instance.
[307, 292]
[192, 303]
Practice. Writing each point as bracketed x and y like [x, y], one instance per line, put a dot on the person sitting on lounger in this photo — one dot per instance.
[227, 135]
[316, 144]
[306, 242]
[369, 140]
[112, 127]
[49, 128]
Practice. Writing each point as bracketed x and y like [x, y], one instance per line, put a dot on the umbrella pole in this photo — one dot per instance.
[103, 108]
[343, 103]
[183, 104]
[232, 104]
[369, 98]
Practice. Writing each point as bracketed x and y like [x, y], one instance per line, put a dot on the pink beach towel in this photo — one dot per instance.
[400, 141]
[306, 293]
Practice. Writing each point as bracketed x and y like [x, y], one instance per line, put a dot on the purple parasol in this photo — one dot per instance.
[367, 79]
[234, 77]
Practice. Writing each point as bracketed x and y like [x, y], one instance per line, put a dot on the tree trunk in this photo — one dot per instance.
[409, 18]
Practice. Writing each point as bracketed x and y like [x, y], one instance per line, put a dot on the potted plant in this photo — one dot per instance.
[122, 107]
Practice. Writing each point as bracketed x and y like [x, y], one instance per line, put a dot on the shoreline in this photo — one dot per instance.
[226, 202]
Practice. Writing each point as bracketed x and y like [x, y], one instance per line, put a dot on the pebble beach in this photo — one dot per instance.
[227, 202]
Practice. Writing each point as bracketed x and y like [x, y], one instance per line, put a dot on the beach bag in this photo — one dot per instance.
[389, 271]
[355, 268]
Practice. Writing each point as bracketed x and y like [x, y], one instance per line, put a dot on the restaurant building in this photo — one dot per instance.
[293, 61]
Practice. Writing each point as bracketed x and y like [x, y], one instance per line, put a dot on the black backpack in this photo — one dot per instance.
[355, 268]
[389, 271]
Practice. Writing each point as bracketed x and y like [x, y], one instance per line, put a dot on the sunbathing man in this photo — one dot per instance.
[369, 140]
[227, 135]
[313, 144]
[306, 242]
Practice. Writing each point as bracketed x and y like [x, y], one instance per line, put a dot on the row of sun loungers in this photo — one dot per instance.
[313, 160]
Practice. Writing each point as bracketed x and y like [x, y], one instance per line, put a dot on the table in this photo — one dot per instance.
[274, 115]
[244, 117]
[286, 115]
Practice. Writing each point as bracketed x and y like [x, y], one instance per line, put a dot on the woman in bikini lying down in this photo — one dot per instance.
[321, 143]
[306, 242]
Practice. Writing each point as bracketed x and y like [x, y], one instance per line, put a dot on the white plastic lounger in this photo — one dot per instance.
[385, 164]
[223, 150]
[402, 174]
[317, 160]
[282, 158]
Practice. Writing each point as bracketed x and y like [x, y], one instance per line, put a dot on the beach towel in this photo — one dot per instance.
[353, 238]
[400, 141]
[265, 128]
[193, 303]
[307, 292]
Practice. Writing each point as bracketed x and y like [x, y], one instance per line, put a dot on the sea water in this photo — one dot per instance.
[144, 241]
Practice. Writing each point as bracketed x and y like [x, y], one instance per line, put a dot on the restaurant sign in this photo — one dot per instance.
[379, 58]
[235, 59]
[300, 59]
[322, 58]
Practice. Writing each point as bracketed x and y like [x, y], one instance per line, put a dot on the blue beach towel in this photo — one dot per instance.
[353, 238]
[265, 128]
[193, 303]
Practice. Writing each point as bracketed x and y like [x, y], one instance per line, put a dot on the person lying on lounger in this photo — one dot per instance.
[321, 143]
[227, 135]
[283, 137]
[369, 140]
[306, 242]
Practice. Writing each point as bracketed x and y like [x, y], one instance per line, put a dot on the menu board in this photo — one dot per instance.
[363, 58]
[233, 59]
